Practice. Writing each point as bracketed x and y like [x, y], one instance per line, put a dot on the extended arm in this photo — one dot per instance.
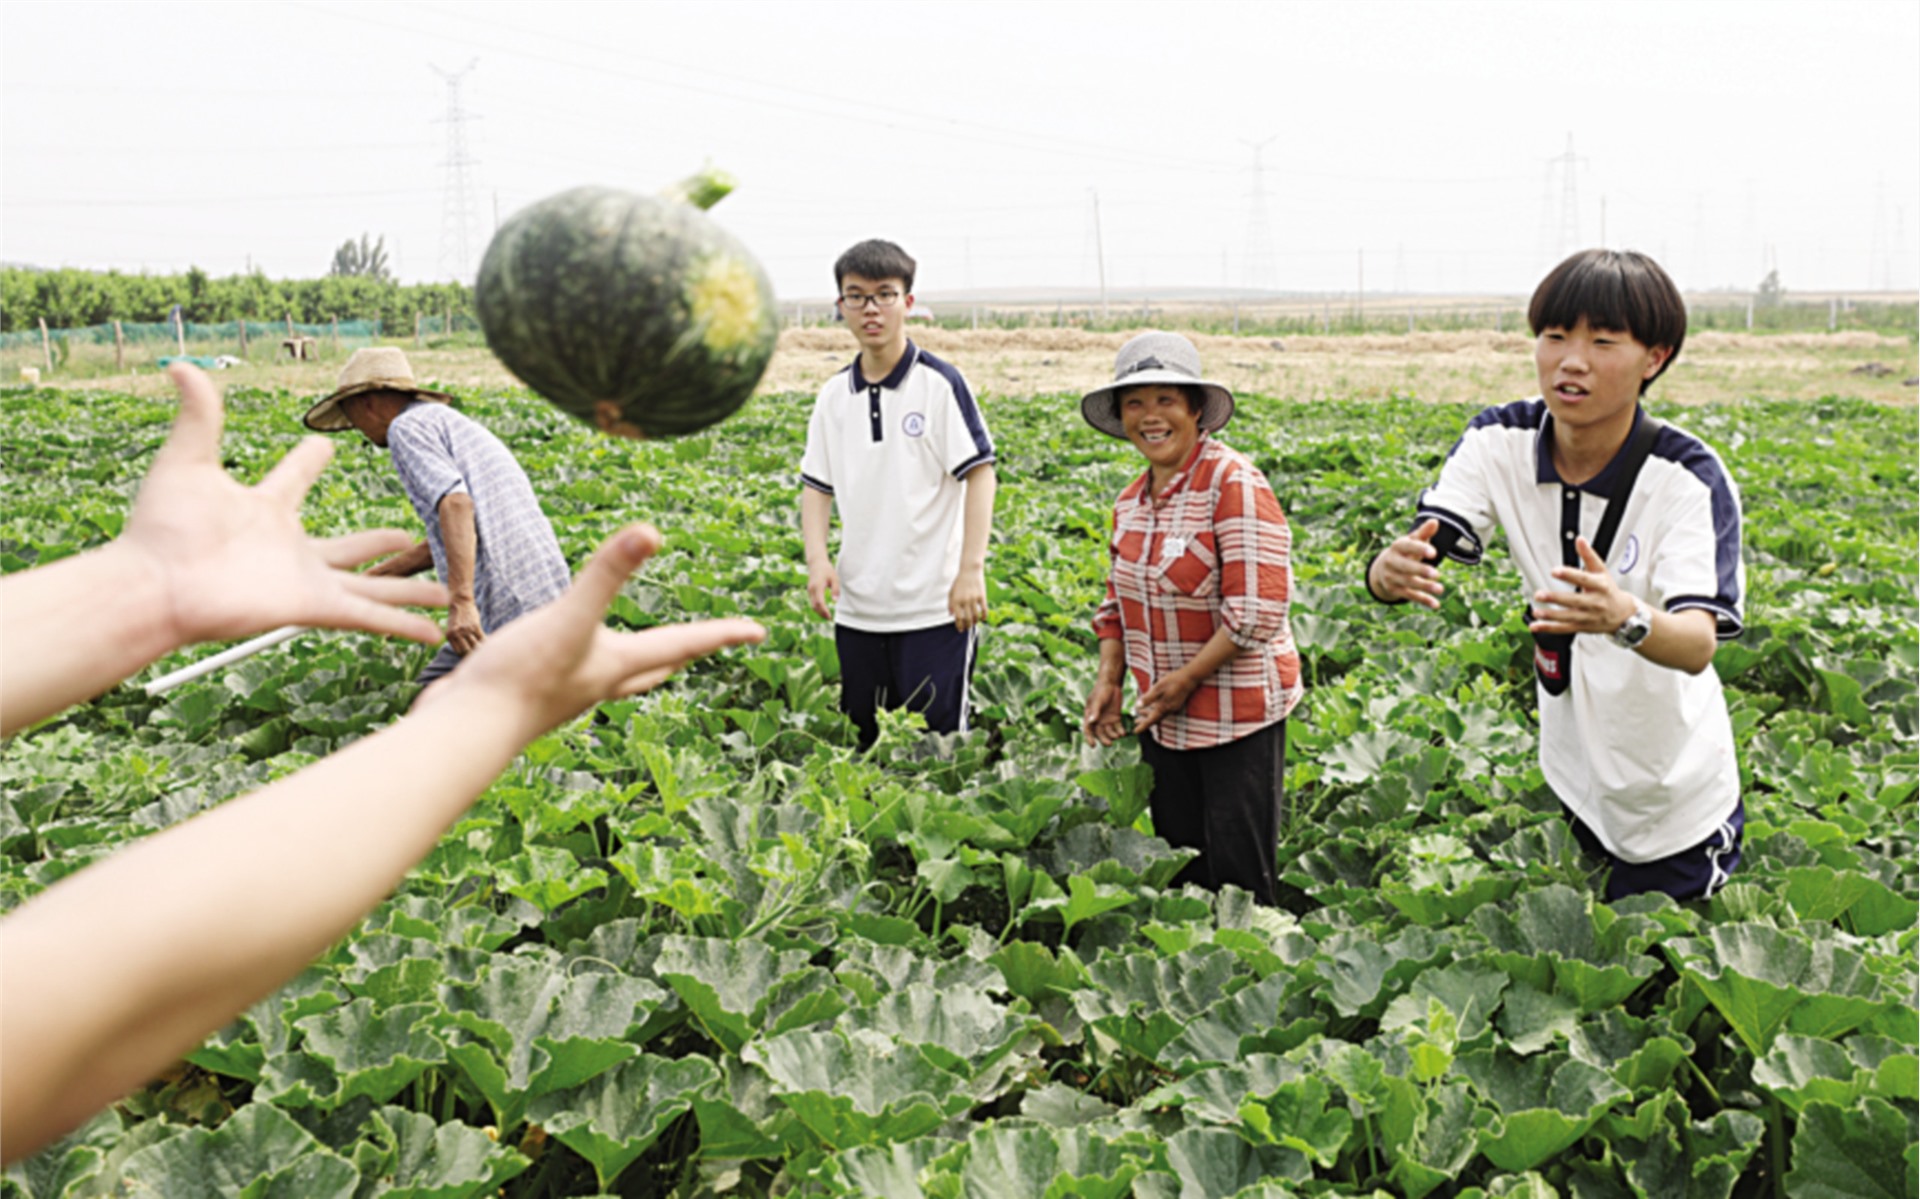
[118, 970]
[410, 561]
[464, 632]
[202, 558]
[1408, 569]
[967, 601]
[823, 581]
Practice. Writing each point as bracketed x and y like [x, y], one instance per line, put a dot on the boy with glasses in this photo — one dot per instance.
[897, 444]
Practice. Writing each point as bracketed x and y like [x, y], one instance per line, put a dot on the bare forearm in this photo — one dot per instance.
[1113, 660]
[116, 620]
[1681, 640]
[410, 561]
[461, 542]
[89, 1014]
[816, 516]
[976, 520]
[1217, 652]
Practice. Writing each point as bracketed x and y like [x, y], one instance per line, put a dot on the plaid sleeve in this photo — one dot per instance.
[1253, 543]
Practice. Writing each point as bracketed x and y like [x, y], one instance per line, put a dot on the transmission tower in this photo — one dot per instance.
[1261, 273]
[457, 205]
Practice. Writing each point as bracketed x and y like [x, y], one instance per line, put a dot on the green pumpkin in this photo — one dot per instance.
[636, 314]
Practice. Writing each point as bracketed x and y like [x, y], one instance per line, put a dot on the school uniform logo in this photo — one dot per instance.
[914, 424]
[1630, 557]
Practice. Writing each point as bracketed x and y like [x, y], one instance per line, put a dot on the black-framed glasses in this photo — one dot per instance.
[853, 301]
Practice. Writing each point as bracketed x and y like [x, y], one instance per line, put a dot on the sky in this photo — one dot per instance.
[1031, 147]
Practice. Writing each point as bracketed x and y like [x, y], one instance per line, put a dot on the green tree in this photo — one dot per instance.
[364, 258]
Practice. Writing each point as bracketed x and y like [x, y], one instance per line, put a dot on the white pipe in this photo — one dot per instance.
[246, 649]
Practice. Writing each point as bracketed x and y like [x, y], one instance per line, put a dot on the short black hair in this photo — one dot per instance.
[876, 260]
[1196, 396]
[1613, 289]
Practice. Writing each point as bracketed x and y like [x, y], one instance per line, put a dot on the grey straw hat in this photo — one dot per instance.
[1156, 358]
[376, 368]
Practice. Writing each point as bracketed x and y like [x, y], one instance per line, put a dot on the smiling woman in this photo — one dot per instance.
[1196, 610]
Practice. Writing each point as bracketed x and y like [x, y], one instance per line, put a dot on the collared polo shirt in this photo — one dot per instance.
[517, 565]
[1642, 754]
[1211, 551]
[893, 453]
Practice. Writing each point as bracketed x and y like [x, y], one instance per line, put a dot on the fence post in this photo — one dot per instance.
[336, 333]
[416, 326]
[289, 324]
[1409, 320]
[46, 345]
[119, 350]
[449, 326]
[1833, 313]
[180, 332]
[1749, 312]
[243, 337]
[1236, 318]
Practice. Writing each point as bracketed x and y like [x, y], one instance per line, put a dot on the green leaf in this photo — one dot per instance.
[259, 1153]
[725, 984]
[420, 1159]
[1589, 954]
[1125, 788]
[858, 1090]
[1209, 1163]
[1296, 1115]
[547, 877]
[1543, 1103]
[372, 1053]
[1765, 980]
[1857, 1152]
[1471, 992]
[617, 1116]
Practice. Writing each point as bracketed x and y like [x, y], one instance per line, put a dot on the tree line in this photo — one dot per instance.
[70, 298]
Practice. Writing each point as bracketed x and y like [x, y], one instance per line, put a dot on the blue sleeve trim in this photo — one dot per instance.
[807, 480]
[965, 468]
[1456, 538]
[969, 409]
[1692, 455]
[1726, 621]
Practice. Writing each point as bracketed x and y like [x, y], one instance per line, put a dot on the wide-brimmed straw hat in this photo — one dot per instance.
[1156, 358]
[376, 368]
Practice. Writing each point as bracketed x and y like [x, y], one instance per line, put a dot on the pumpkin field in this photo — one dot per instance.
[696, 944]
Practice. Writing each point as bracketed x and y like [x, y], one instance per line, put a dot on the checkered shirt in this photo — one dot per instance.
[518, 565]
[1212, 551]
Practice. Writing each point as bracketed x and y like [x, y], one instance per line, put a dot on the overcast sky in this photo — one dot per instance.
[1006, 145]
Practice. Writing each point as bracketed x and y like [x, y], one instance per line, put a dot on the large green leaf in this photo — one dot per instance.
[860, 1089]
[959, 1028]
[1560, 940]
[1209, 1163]
[1543, 1104]
[617, 1116]
[372, 1053]
[1765, 980]
[726, 984]
[1859, 1152]
[259, 1153]
[1010, 1159]
[1142, 1002]
[1361, 973]
[408, 1156]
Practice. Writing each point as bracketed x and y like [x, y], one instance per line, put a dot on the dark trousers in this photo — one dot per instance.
[1694, 873]
[922, 670]
[1225, 801]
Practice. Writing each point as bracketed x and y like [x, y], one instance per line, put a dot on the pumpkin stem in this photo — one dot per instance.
[703, 189]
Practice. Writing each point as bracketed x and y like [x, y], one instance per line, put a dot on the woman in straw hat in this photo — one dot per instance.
[1196, 611]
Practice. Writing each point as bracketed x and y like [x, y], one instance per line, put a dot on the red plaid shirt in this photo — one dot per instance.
[1211, 551]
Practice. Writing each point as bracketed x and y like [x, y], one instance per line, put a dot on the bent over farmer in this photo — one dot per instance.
[487, 538]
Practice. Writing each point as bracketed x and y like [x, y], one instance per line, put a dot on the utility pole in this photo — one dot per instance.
[457, 204]
[1261, 274]
[1560, 230]
[1099, 252]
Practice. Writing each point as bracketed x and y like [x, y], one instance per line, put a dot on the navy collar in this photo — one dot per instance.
[898, 375]
[1602, 484]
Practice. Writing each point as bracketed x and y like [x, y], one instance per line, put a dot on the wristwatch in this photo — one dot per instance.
[1635, 628]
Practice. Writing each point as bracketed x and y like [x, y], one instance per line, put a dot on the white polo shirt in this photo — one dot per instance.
[892, 455]
[1641, 753]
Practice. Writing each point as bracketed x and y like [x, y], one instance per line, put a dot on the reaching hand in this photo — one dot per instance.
[1597, 606]
[560, 660]
[1406, 570]
[234, 560]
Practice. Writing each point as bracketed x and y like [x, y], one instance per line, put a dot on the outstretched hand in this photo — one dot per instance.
[560, 660]
[234, 560]
[1597, 605]
[1407, 570]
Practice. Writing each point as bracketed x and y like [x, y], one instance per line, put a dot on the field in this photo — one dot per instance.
[701, 947]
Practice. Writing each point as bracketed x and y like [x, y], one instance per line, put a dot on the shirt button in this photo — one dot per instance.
[1568, 535]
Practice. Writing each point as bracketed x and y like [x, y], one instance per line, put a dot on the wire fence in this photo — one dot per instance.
[118, 347]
